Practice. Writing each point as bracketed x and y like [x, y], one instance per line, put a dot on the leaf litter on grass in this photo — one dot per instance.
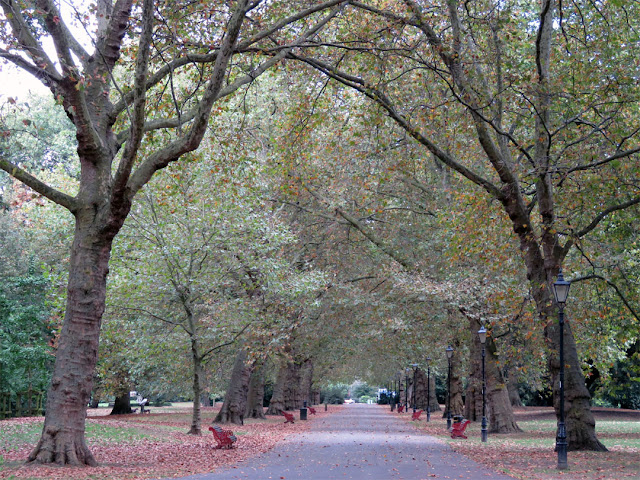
[154, 451]
[530, 455]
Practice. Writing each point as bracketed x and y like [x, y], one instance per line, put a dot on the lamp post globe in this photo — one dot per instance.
[561, 293]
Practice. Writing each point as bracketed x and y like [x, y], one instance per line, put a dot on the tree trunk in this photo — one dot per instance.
[255, 396]
[196, 417]
[293, 393]
[286, 391]
[421, 390]
[235, 400]
[306, 381]
[498, 407]
[62, 439]
[514, 394]
[122, 405]
[580, 423]
[277, 405]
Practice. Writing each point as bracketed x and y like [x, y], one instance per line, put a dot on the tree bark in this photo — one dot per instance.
[62, 439]
[235, 400]
[306, 381]
[277, 404]
[255, 396]
[514, 394]
[293, 392]
[122, 404]
[286, 391]
[498, 406]
[196, 417]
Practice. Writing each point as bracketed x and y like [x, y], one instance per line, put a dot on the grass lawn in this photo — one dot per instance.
[132, 447]
[530, 455]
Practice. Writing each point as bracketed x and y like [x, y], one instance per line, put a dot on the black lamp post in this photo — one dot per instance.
[449, 351]
[428, 389]
[482, 333]
[406, 389]
[413, 396]
[561, 292]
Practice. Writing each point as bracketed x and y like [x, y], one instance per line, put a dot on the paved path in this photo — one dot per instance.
[360, 442]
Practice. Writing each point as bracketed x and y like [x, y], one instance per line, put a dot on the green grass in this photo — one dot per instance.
[106, 433]
[15, 436]
[541, 434]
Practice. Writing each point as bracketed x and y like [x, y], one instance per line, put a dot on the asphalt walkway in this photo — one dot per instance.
[359, 442]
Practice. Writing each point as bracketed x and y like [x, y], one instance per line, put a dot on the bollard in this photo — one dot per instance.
[325, 407]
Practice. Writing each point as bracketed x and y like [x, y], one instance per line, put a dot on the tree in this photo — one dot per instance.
[112, 122]
[545, 146]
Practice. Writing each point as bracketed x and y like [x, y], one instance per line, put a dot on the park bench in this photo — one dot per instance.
[225, 438]
[458, 428]
[400, 407]
[416, 415]
[289, 417]
[312, 410]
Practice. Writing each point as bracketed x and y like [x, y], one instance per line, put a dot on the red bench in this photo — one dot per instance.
[416, 415]
[458, 428]
[400, 407]
[225, 438]
[312, 410]
[289, 417]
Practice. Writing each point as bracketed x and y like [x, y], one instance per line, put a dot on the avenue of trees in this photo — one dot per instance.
[259, 199]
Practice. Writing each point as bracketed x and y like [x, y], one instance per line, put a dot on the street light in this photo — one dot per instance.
[449, 351]
[415, 367]
[397, 392]
[428, 389]
[406, 389]
[561, 292]
[482, 333]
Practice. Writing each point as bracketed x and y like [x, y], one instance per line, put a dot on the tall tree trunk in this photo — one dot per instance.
[293, 393]
[122, 404]
[499, 411]
[62, 439]
[580, 423]
[286, 391]
[277, 404]
[255, 396]
[422, 391]
[196, 417]
[498, 407]
[514, 394]
[306, 381]
[433, 400]
[235, 400]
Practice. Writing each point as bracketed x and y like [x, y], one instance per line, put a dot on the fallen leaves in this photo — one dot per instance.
[163, 451]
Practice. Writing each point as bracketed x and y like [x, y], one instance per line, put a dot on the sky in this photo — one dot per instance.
[17, 84]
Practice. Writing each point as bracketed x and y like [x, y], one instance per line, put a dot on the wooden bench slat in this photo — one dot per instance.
[225, 438]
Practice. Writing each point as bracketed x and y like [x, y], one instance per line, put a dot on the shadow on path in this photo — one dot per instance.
[358, 442]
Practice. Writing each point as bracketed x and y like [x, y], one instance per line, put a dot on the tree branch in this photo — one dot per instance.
[612, 285]
[36, 185]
